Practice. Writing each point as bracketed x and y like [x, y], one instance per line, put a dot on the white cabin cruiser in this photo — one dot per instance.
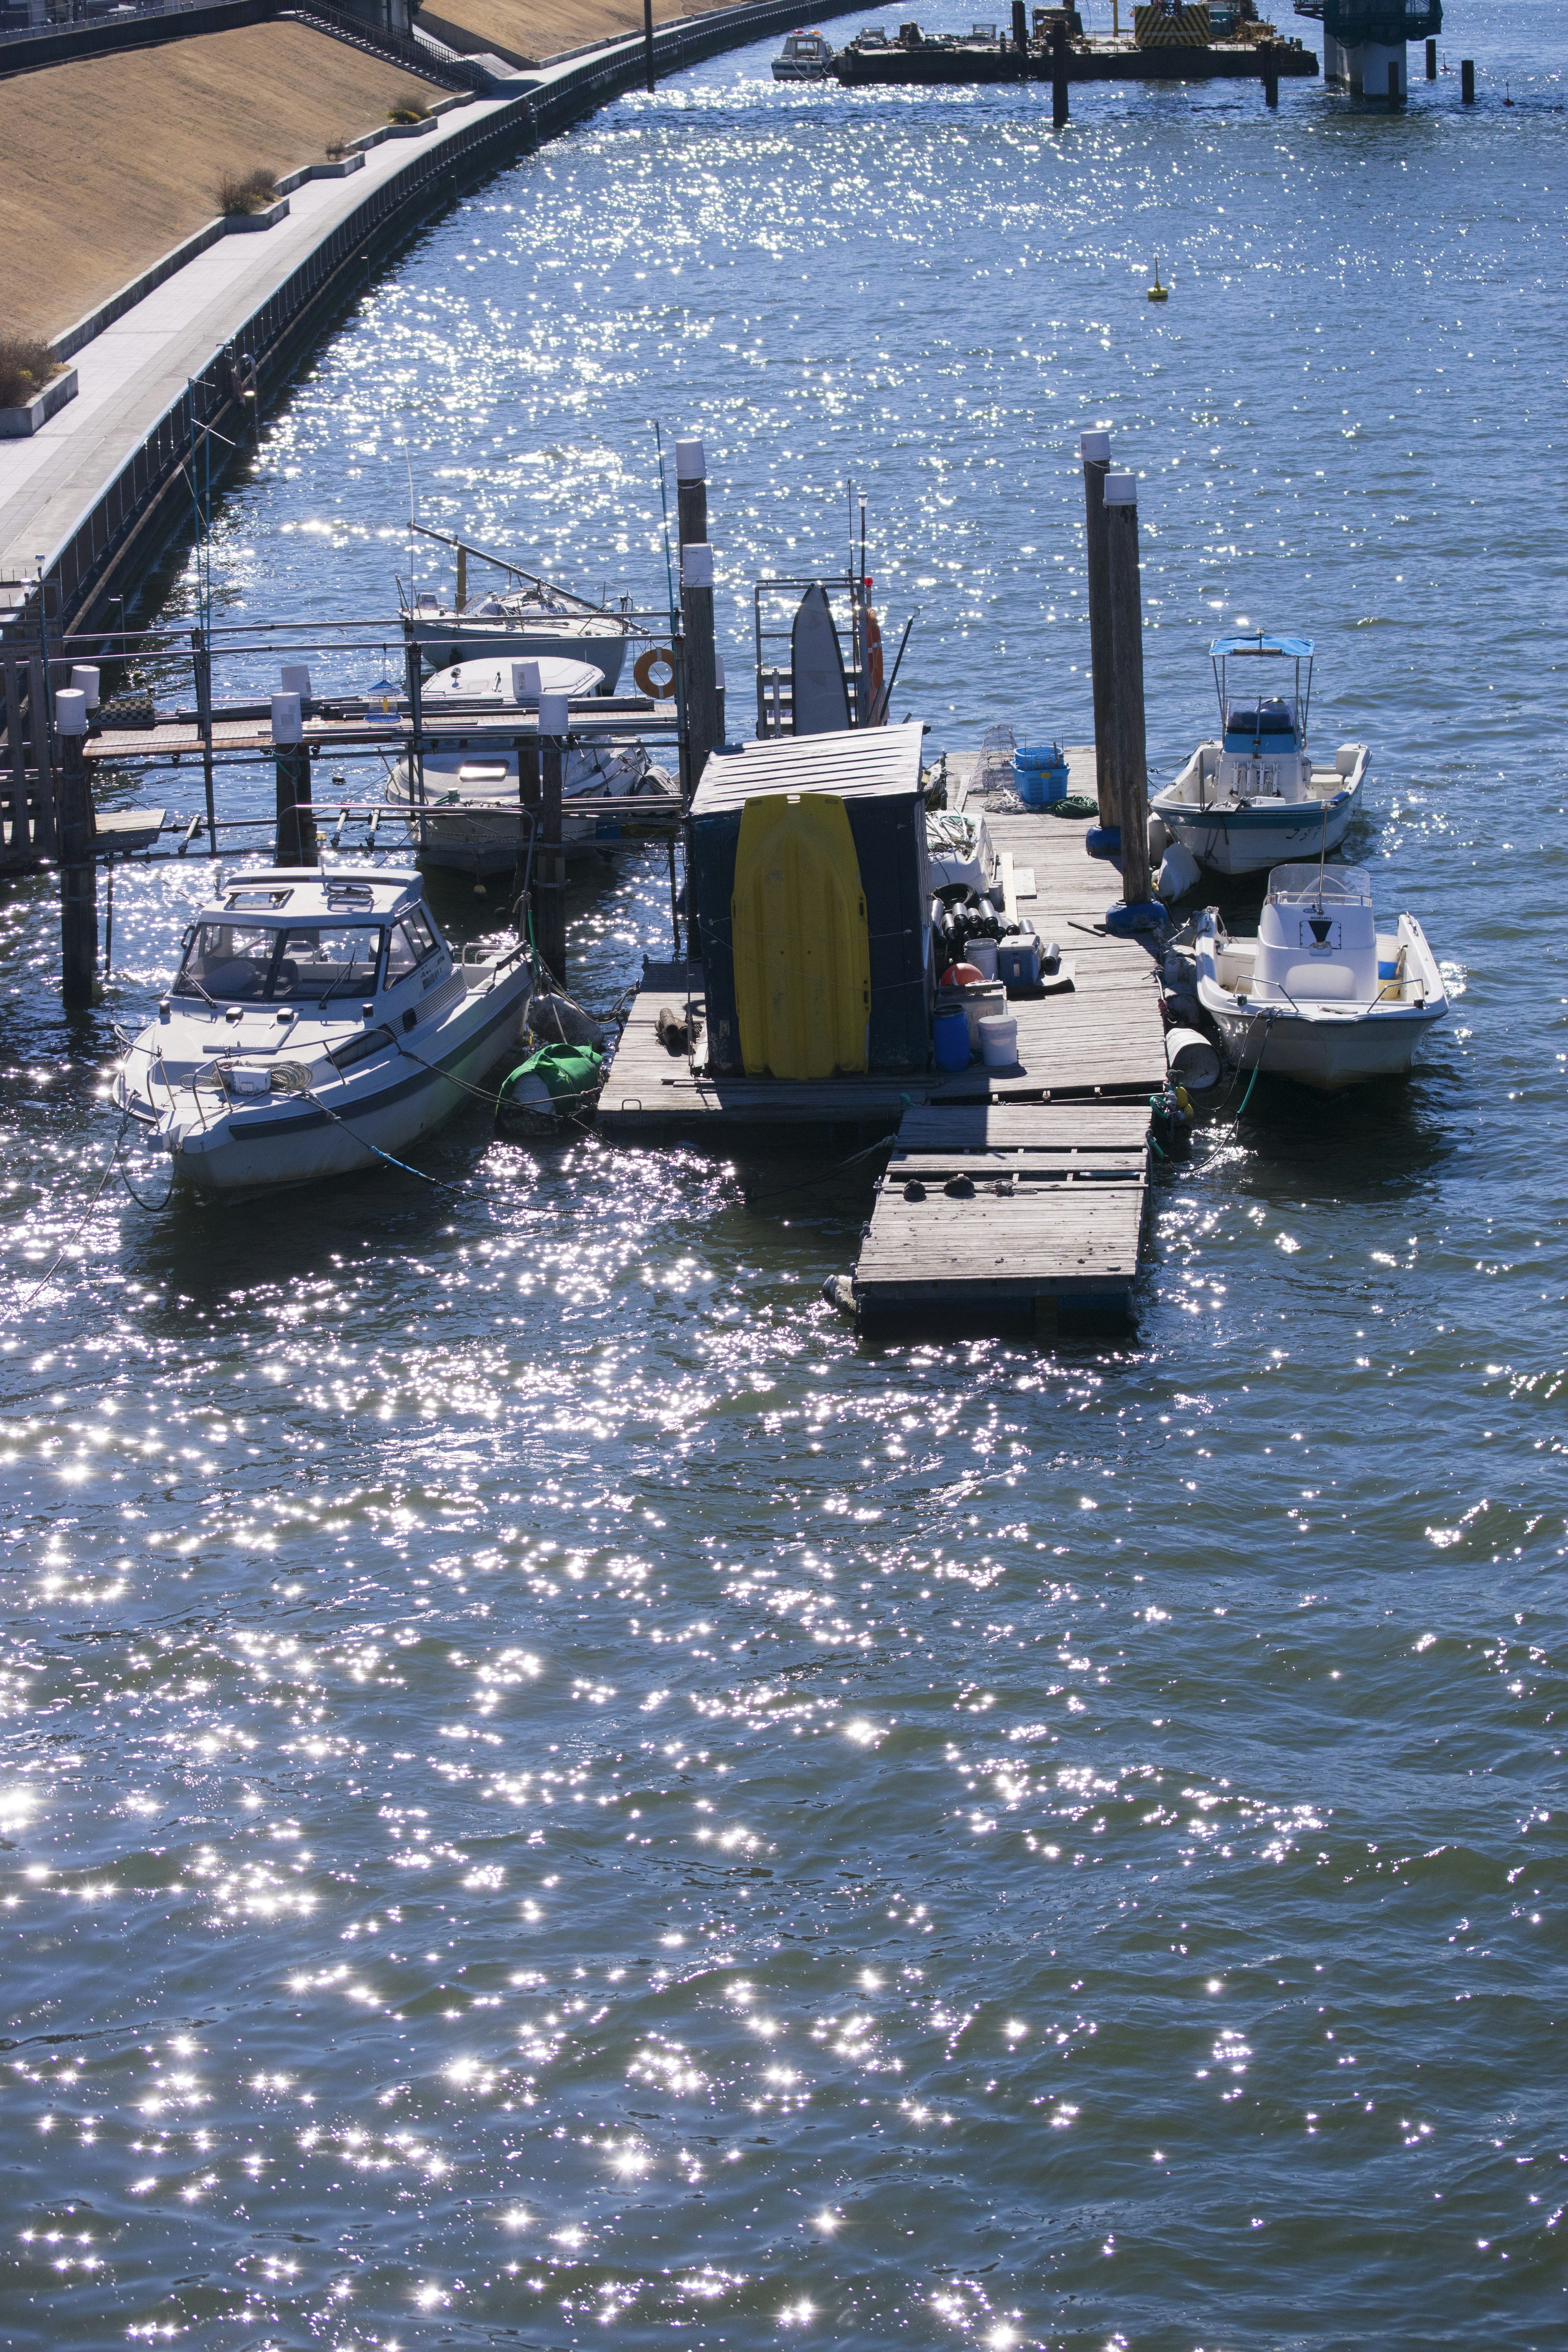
[318, 1021]
[1254, 798]
[1321, 996]
[468, 817]
[537, 622]
[804, 57]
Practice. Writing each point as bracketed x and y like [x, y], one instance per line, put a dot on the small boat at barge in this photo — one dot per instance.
[804, 57]
[535, 623]
[318, 1025]
[1321, 996]
[1253, 799]
[468, 817]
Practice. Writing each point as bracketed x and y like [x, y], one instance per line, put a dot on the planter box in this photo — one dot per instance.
[15, 423]
[241, 224]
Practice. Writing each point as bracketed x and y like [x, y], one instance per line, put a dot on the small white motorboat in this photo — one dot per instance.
[1321, 996]
[469, 818]
[804, 57]
[1254, 799]
[317, 1023]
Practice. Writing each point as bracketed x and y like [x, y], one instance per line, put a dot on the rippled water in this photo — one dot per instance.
[550, 1797]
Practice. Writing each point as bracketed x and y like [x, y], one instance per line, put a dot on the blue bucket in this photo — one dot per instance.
[1039, 774]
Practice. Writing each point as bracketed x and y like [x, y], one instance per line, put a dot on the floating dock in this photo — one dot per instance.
[1101, 1039]
[942, 61]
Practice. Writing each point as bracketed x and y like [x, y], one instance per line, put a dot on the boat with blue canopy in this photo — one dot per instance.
[1252, 798]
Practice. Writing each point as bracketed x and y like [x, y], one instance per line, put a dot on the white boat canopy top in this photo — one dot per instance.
[515, 683]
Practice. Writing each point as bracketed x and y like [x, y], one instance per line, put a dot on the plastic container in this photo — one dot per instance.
[1018, 962]
[999, 1042]
[976, 1003]
[949, 1039]
[982, 956]
[1387, 966]
[1039, 774]
[1192, 1060]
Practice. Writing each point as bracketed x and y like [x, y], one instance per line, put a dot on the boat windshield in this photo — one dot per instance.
[256, 963]
[1273, 716]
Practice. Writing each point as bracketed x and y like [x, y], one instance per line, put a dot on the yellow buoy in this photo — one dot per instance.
[802, 970]
[1158, 293]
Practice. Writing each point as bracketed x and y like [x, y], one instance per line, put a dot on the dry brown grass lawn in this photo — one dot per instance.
[110, 161]
[544, 28]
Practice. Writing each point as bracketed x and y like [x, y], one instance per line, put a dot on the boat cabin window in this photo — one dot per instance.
[274, 964]
[413, 943]
[1273, 716]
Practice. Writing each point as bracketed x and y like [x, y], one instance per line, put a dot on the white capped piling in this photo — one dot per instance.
[1095, 449]
[296, 838]
[1129, 755]
[699, 690]
[549, 858]
[78, 854]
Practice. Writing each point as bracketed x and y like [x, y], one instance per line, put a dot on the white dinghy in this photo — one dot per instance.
[317, 1024]
[471, 819]
[1321, 996]
[1254, 798]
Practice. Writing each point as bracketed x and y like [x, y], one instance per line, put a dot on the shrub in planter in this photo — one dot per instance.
[27, 364]
[246, 191]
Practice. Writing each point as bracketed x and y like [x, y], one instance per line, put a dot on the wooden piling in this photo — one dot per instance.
[1096, 452]
[44, 839]
[1058, 77]
[700, 679]
[1270, 80]
[79, 862]
[1129, 762]
[1020, 29]
[19, 841]
[202, 662]
[550, 862]
[296, 842]
[1466, 81]
[528, 800]
[1431, 61]
[648, 40]
[1394, 81]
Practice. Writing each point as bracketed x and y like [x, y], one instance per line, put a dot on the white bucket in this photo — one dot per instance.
[981, 954]
[999, 1043]
[1192, 1060]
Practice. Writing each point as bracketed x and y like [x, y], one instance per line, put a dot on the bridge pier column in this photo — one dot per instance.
[1362, 68]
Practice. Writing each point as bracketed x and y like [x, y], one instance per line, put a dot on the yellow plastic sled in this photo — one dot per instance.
[802, 958]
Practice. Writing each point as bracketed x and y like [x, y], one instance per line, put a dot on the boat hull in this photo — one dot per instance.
[290, 1140]
[1251, 840]
[444, 640]
[1328, 1053]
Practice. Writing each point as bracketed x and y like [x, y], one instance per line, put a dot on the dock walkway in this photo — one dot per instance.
[1102, 1040]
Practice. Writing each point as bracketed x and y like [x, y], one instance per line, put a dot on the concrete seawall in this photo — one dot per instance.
[88, 504]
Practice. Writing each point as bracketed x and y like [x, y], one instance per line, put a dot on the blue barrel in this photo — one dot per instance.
[950, 1035]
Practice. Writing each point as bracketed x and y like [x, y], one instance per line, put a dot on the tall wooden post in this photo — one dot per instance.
[295, 844]
[43, 764]
[1095, 448]
[549, 858]
[78, 858]
[698, 658]
[1058, 77]
[1466, 81]
[1020, 32]
[1431, 61]
[647, 39]
[1394, 81]
[21, 840]
[1270, 78]
[202, 663]
[1128, 765]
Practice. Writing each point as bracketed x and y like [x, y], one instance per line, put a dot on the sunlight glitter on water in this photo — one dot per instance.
[549, 1793]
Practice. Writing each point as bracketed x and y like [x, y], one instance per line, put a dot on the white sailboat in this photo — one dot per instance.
[317, 1023]
[1254, 799]
[1321, 996]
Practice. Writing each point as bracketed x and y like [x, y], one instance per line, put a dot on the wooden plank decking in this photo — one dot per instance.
[1100, 1039]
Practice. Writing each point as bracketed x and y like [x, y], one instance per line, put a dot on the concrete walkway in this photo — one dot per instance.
[132, 373]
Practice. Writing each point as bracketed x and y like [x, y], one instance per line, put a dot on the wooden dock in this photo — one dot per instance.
[1102, 1040]
[1048, 1163]
[1028, 1216]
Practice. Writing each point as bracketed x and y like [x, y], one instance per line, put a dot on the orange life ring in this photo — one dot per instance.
[656, 658]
